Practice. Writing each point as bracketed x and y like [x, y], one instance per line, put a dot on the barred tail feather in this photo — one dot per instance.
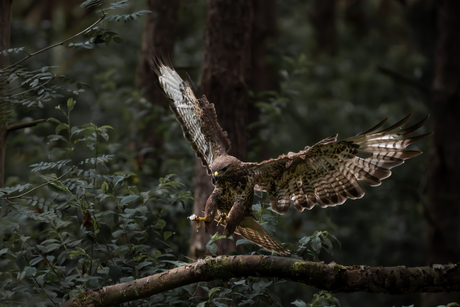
[254, 232]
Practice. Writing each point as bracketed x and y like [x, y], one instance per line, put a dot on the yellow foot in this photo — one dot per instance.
[197, 219]
[222, 218]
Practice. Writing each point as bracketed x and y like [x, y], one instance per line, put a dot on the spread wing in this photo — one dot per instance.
[328, 172]
[197, 116]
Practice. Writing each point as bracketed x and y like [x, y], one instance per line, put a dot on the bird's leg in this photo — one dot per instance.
[209, 212]
[235, 216]
[222, 218]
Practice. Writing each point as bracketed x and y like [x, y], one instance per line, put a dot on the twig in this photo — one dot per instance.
[30, 89]
[38, 284]
[403, 79]
[57, 44]
[24, 125]
[37, 187]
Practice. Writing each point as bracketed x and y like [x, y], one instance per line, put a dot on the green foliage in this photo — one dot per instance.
[312, 245]
[211, 246]
[90, 229]
[244, 292]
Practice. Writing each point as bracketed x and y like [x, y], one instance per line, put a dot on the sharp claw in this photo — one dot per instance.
[222, 218]
[198, 220]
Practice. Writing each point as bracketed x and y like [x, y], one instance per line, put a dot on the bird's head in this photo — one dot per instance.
[225, 167]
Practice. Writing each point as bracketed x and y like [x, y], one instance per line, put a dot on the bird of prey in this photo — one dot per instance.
[327, 173]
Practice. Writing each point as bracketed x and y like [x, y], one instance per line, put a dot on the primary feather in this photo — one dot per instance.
[329, 172]
[196, 116]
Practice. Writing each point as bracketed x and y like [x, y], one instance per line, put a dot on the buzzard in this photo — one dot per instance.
[327, 173]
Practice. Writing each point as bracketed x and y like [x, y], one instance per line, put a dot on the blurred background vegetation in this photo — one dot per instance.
[374, 64]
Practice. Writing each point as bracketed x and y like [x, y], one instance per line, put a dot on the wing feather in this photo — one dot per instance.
[329, 172]
[197, 117]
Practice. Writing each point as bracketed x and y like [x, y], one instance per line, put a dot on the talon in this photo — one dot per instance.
[222, 218]
[198, 220]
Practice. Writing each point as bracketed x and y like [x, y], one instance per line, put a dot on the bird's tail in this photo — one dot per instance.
[252, 231]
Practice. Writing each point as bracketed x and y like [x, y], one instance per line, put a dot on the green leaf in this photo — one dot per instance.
[167, 234]
[35, 261]
[106, 127]
[262, 285]
[217, 236]
[30, 271]
[160, 224]
[243, 241]
[211, 247]
[54, 120]
[21, 261]
[316, 245]
[304, 240]
[212, 291]
[128, 199]
[60, 127]
[299, 303]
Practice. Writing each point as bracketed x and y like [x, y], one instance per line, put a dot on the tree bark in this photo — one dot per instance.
[331, 277]
[224, 80]
[355, 17]
[5, 32]
[444, 193]
[322, 17]
[264, 76]
[159, 34]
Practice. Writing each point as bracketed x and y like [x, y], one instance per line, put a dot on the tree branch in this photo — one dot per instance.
[24, 125]
[331, 277]
[58, 44]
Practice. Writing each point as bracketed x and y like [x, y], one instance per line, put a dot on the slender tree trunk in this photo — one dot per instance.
[355, 17]
[159, 34]
[264, 76]
[322, 17]
[5, 30]
[224, 80]
[443, 185]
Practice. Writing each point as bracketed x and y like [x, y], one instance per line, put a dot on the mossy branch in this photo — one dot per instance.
[331, 277]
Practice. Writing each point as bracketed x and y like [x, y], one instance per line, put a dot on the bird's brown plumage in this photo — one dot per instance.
[328, 173]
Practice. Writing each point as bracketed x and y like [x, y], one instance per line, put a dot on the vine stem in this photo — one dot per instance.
[57, 44]
[43, 184]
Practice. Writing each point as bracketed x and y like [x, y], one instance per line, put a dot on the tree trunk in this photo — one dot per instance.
[444, 193]
[322, 17]
[5, 31]
[224, 80]
[264, 76]
[355, 17]
[159, 34]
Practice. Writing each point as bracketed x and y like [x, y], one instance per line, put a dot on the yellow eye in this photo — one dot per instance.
[216, 173]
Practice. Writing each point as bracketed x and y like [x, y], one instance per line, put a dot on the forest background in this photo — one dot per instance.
[315, 68]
